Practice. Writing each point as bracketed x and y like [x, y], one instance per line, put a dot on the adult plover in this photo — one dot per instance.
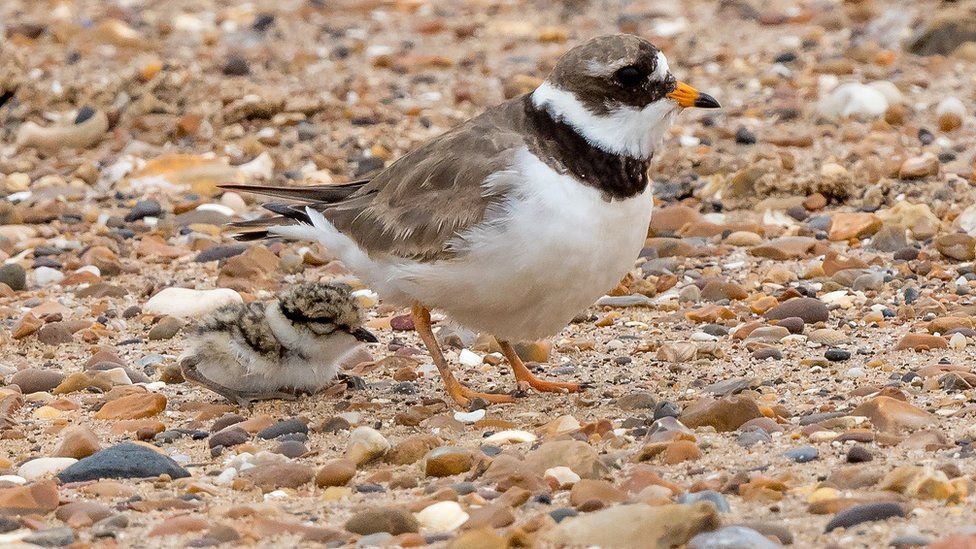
[516, 220]
[258, 351]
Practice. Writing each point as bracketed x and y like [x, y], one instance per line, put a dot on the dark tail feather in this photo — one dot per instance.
[317, 193]
[257, 229]
[297, 213]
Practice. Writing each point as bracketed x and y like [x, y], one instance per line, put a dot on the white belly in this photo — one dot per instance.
[559, 248]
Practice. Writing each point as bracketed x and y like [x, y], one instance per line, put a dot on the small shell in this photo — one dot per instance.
[510, 437]
[677, 352]
[827, 336]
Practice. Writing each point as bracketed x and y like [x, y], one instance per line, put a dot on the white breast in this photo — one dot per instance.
[556, 248]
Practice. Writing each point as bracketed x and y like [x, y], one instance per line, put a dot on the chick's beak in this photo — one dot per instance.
[686, 96]
[364, 335]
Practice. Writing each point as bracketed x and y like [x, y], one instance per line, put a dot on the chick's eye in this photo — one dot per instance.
[629, 76]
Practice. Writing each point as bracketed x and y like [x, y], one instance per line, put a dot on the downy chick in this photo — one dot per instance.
[260, 351]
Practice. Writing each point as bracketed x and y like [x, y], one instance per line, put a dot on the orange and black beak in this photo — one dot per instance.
[686, 96]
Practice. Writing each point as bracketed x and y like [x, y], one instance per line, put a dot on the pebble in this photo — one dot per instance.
[447, 461]
[337, 472]
[51, 537]
[443, 516]
[365, 445]
[803, 454]
[285, 427]
[578, 456]
[637, 525]
[188, 303]
[725, 414]
[510, 437]
[273, 476]
[291, 448]
[715, 498]
[229, 437]
[166, 328]
[808, 309]
[392, 520]
[13, 275]
[144, 209]
[853, 100]
[867, 512]
[77, 442]
[125, 460]
[45, 276]
[837, 355]
[637, 401]
[134, 406]
[35, 380]
[732, 537]
[45, 466]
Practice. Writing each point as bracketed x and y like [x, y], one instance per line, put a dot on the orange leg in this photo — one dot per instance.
[461, 394]
[523, 375]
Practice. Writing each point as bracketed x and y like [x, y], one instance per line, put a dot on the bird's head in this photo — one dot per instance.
[324, 309]
[618, 93]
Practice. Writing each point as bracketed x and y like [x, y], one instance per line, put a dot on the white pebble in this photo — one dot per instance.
[47, 275]
[470, 417]
[186, 302]
[45, 466]
[957, 341]
[951, 106]
[443, 516]
[226, 477]
[261, 167]
[564, 476]
[13, 479]
[510, 437]
[89, 269]
[469, 358]
[219, 208]
[854, 100]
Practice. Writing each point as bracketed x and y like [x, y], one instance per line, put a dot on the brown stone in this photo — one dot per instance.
[135, 406]
[587, 490]
[893, 416]
[921, 342]
[726, 414]
[37, 498]
[848, 225]
[77, 442]
[337, 472]
[412, 449]
[958, 246]
[279, 475]
[447, 461]
[176, 526]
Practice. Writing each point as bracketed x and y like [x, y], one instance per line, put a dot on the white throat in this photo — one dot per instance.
[625, 131]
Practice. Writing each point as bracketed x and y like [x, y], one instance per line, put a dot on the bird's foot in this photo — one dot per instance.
[544, 386]
[464, 396]
[527, 380]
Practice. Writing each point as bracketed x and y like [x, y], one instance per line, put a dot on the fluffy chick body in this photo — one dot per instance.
[295, 343]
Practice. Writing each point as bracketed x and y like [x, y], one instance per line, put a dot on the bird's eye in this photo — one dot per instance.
[629, 76]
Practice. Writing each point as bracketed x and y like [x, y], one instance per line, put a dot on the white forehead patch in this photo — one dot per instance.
[662, 69]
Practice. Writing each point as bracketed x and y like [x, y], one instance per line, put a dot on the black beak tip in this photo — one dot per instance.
[364, 335]
[706, 101]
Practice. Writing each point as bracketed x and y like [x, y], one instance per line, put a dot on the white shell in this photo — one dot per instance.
[442, 516]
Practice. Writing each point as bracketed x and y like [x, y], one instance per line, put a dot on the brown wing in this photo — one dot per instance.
[413, 208]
